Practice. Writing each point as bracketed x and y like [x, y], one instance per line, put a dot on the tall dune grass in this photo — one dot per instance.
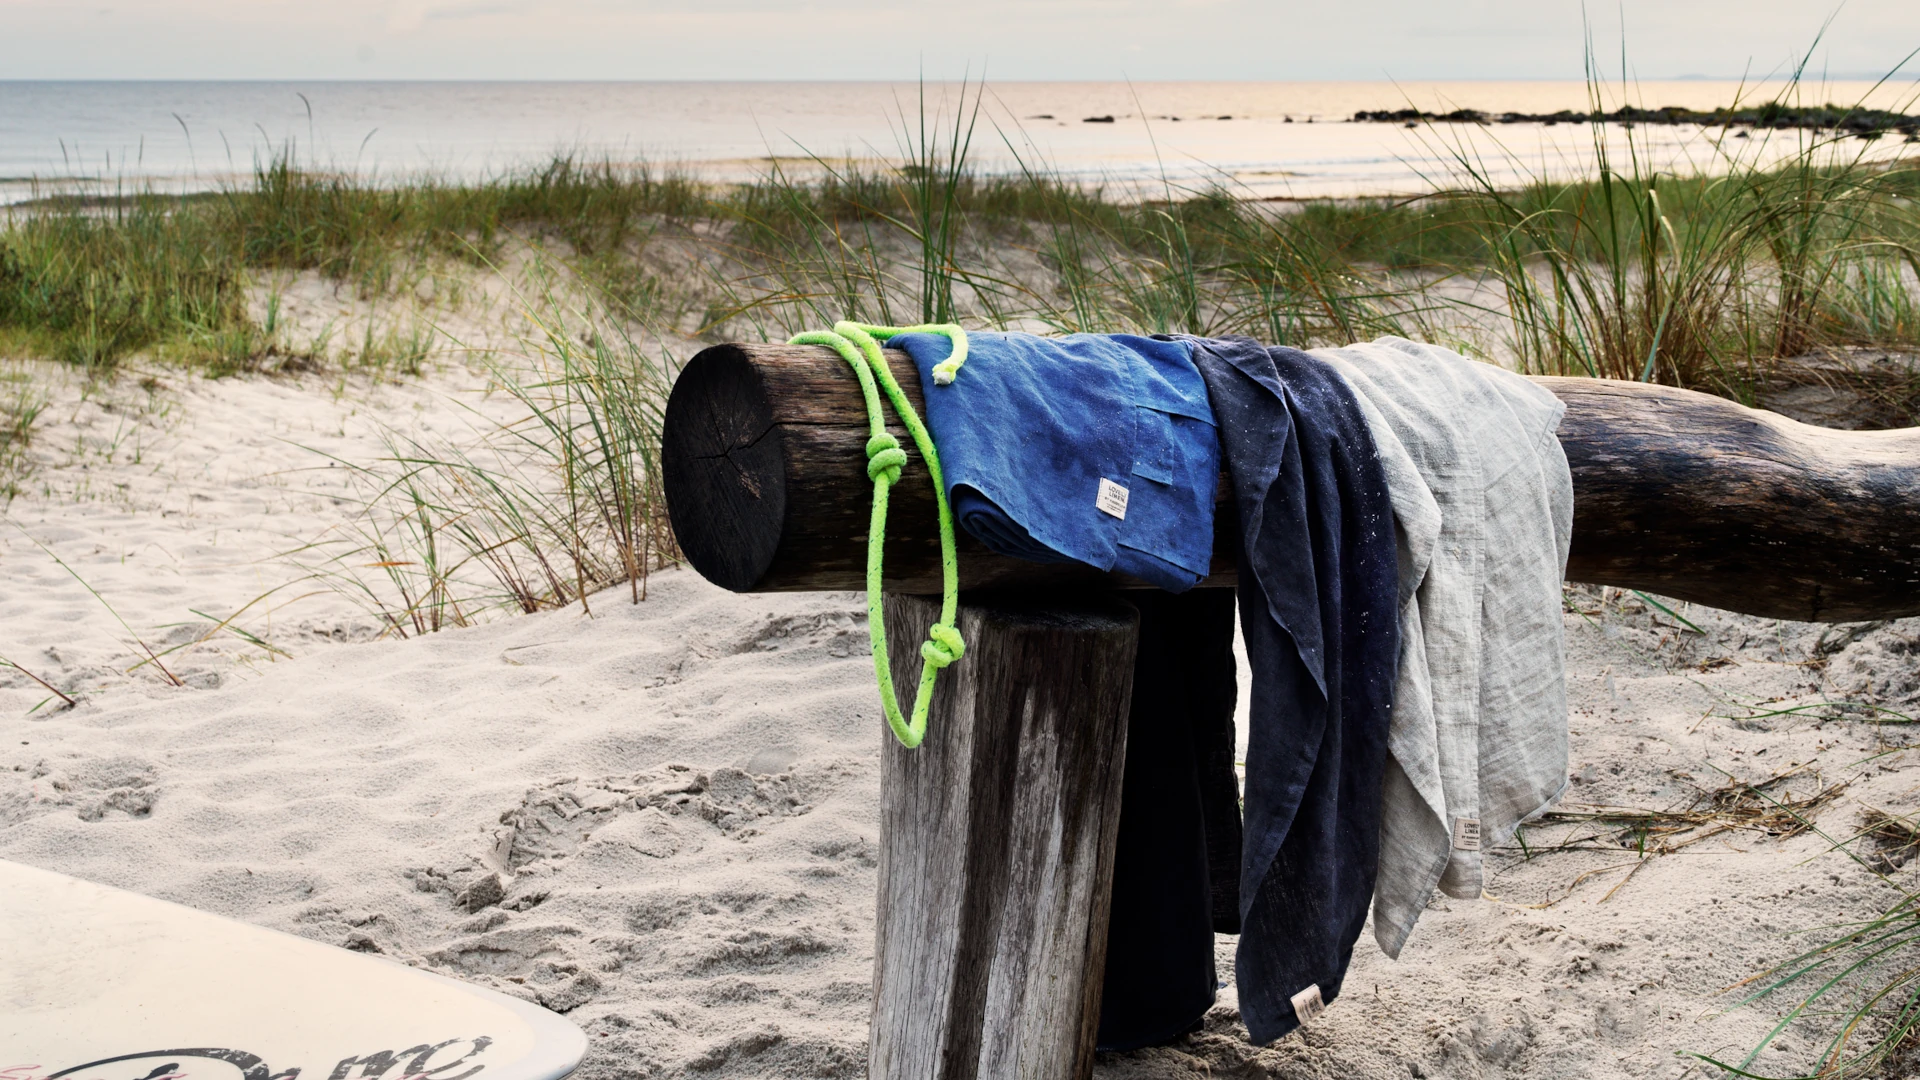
[93, 280]
[20, 406]
[1701, 279]
[536, 511]
[1695, 279]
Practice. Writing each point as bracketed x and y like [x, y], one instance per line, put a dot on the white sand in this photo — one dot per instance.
[679, 797]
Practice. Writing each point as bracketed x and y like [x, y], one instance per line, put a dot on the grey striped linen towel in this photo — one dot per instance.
[1483, 505]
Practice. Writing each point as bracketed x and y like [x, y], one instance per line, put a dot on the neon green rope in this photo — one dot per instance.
[859, 345]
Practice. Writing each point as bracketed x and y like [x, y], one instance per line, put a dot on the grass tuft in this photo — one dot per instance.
[21, 404]
[535, 512]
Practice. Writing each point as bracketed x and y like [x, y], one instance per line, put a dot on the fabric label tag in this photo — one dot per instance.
[1307, 1004]
[1466, 834]
[1112, 499]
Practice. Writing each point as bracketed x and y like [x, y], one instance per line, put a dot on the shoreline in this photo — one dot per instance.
[469, 133]
[1136, 180]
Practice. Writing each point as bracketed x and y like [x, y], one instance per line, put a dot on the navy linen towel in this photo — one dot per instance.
[1319, 613]
[1177, 853]
[1092, 448]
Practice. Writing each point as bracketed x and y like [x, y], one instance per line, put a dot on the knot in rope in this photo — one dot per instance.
[859, 345]
[943, 645]
[884, 457]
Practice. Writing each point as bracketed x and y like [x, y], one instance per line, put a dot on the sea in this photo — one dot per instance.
[1264, 140]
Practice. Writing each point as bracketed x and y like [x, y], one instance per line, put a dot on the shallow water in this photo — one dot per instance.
[1282, 139]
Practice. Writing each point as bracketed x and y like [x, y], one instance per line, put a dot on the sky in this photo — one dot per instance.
[1011, 40]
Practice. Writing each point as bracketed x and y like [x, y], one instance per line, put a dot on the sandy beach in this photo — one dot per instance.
[660, 818]
[340, 594]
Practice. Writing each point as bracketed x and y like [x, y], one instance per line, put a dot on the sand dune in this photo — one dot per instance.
[660, 819]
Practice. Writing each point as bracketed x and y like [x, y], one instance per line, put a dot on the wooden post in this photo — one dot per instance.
[997, 840]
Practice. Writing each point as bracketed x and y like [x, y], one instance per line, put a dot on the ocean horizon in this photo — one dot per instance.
[1254, 139]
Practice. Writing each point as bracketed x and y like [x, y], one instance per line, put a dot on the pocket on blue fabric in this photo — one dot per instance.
[1155, 456]
[1171, 517]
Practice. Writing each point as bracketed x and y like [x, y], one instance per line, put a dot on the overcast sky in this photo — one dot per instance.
[851, 39]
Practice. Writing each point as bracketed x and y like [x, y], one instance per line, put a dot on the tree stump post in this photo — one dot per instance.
[997, 841]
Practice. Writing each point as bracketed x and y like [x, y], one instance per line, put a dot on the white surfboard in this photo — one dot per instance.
[101, 984]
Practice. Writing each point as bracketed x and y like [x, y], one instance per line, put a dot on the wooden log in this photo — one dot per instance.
[1675, 492]
[1696, 497]
[997, 842]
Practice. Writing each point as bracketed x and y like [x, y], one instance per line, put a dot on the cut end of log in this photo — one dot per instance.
[723, 463]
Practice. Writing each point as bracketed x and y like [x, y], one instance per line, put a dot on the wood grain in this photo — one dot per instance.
[1699, 498]
[997, 839]
[1675, 492]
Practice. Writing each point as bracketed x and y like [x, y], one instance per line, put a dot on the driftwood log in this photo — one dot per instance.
[1696, 497]
[997, 842]
[1675, 492]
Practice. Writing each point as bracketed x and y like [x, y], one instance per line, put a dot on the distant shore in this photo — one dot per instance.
[1864, 123]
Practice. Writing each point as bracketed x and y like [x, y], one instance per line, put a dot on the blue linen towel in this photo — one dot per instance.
[1092, 448]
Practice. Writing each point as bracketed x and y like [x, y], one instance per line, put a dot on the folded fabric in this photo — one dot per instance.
[1093, 448]
[1484, 504]
[1318, 610]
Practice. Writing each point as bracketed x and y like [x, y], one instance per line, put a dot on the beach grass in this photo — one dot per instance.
[1698, 280]
[1857, 981]
[93, 280]
[21, 404]
[539, 510]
